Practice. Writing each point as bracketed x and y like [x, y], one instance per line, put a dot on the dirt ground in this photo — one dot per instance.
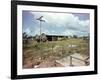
[38, 63]
[52, 54]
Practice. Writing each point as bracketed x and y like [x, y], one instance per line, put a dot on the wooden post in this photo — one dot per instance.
[71, 61]
[52, 44]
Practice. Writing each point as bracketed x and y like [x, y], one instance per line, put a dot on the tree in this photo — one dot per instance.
[25, 38]
[25, 35]
[42, 37]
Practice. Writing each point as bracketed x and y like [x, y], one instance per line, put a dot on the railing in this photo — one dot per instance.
[85, 61]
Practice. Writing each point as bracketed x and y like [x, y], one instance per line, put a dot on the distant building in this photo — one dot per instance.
[56, 37]
[45, 37]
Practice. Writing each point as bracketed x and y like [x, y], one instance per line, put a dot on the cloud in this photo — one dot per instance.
[27, 30]
[61, 23]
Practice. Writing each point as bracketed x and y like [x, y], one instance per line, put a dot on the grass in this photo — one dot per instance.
[56, 49]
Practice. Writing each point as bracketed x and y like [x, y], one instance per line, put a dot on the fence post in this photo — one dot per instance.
[52, 44]
[71, 61]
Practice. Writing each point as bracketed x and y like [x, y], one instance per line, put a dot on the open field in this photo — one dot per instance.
[45, 54]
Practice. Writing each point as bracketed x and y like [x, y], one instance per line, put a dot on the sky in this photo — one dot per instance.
[56, 23]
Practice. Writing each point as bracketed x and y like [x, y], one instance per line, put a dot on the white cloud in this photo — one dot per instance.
[37, 31]
[71, 23]
[27, 30]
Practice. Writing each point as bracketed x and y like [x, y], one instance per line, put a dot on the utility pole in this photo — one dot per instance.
[40, 20]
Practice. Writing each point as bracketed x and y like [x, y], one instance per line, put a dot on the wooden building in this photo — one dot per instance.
[55, 37]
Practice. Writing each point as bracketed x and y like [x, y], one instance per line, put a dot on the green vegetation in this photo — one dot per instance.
[55, 49]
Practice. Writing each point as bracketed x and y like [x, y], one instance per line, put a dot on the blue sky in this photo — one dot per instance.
[56, 23]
